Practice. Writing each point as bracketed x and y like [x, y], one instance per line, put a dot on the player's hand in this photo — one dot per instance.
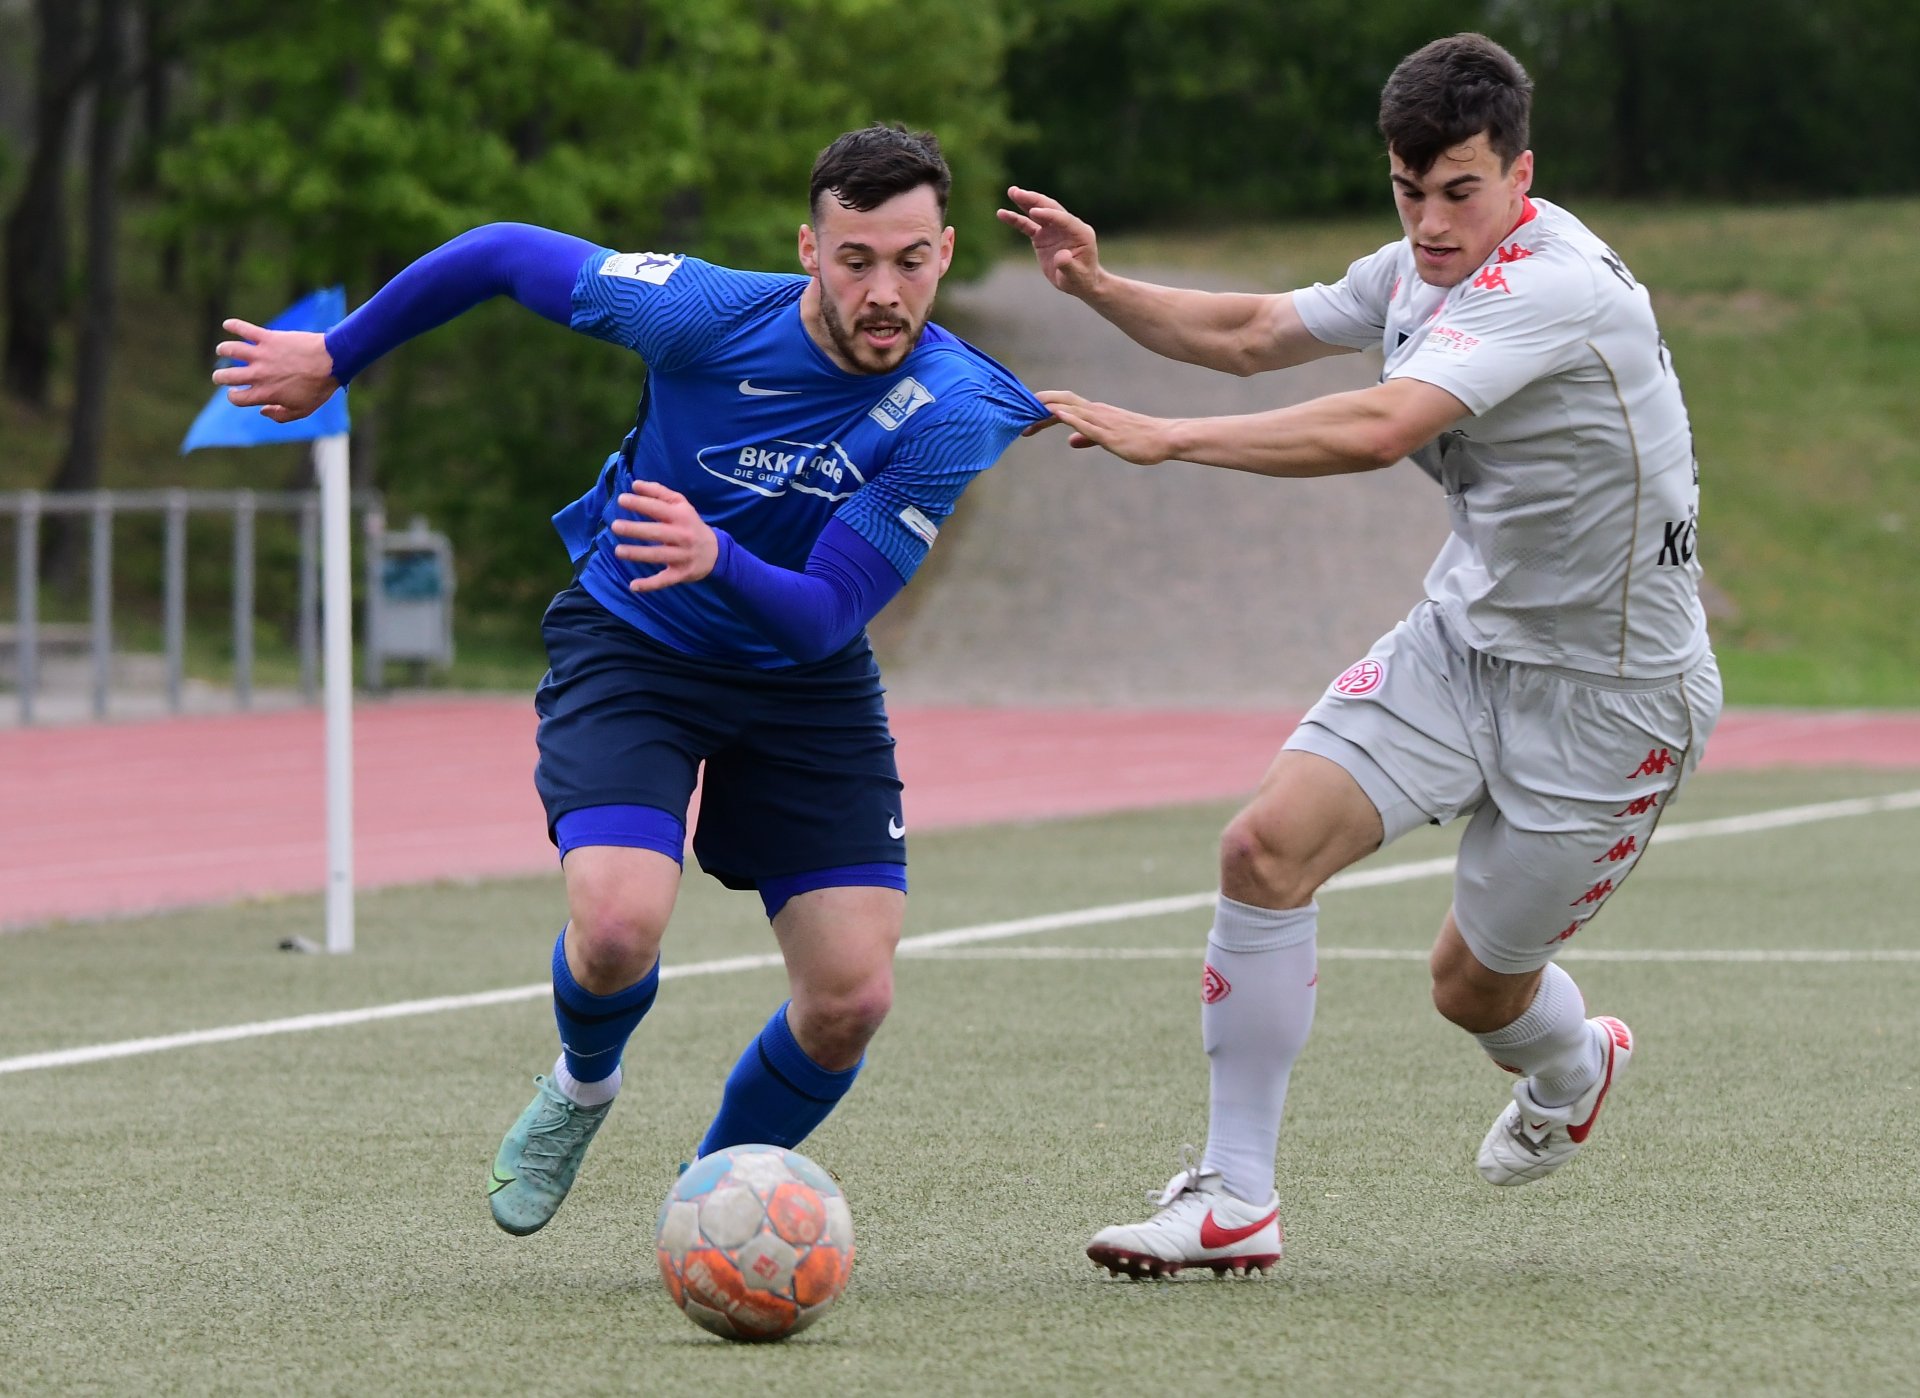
[1069, 254]
[287, 374]
[669, 534]
[1135, 437]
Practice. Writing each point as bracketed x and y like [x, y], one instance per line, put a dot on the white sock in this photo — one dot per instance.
[1551, 1043]
[585, 1094]
[1256, 1008]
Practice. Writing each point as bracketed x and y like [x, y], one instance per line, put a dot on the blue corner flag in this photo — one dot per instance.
[221, 424]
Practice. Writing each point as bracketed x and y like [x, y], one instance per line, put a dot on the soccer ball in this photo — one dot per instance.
[755, 1242]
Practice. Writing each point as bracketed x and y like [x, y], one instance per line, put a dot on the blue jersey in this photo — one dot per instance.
[769, 439]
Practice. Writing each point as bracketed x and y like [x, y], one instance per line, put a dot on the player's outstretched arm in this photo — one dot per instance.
[289, 374]
[1330, 436]
[807, 615]
[1235, 332]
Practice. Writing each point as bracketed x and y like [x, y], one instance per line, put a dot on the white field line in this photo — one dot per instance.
[1193, 953]
[932, 942]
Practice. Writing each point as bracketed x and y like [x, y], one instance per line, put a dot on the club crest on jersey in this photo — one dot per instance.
[653, 267]
[1361, 678]
[903, 400]
[774, 468]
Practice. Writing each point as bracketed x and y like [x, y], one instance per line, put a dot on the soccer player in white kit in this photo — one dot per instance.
[1556, 684]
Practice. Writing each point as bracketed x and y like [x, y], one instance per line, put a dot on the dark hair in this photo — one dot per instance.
[1445, 94]
[865, 168]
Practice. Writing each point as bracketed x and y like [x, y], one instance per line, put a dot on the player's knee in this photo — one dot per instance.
[1260, 864]
[836, 1026]
[615, 935]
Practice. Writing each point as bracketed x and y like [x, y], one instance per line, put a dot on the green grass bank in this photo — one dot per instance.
[1796, 331]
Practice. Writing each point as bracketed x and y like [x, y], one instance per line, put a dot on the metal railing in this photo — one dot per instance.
[174, 506]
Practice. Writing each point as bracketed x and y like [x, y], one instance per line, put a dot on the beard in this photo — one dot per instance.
[856, 351]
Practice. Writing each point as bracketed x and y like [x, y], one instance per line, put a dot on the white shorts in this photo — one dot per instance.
[1565, 774]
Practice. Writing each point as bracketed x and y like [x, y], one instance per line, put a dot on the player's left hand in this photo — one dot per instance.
[669, 534]
[1146, 441]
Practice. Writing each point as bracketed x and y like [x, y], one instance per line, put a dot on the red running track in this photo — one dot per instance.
[126, 818]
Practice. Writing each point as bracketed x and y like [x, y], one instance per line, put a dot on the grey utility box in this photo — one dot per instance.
[409, 598]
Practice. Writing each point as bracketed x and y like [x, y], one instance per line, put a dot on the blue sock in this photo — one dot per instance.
[775, 1094]
[595, 1028]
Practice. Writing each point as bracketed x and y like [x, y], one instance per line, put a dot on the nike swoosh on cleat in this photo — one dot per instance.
[746, 387]
[1212, 1235]
[500, 1184]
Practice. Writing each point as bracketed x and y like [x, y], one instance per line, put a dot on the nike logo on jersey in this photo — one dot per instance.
[1212, 1235]
[500, 1181]
[747, 387]
[895, 830]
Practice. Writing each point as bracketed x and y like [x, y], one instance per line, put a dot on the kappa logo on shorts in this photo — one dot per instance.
[1213, 987]
[1658, 760]
[1595, 894]
[1361, 678]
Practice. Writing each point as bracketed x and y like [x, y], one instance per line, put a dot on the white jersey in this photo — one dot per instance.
[1573, 490]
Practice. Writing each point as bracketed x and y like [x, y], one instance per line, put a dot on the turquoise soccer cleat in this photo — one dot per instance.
[539, 1157]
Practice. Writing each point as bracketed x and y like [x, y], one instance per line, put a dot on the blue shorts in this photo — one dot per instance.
[800, 773]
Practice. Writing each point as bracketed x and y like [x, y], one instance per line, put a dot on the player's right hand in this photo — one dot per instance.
[287, 374]
[1068, 252]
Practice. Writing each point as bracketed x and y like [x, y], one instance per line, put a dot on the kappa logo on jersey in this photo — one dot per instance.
[811, 468]
[1492, 279]
[1512, 253]
[903, 400]
[1630, 845]
[1450, 341]
[1213, 987]
[1361, 678]
[653, 267]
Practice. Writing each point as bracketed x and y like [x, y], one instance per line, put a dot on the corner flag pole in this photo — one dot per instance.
[221, 424]
[336, 544]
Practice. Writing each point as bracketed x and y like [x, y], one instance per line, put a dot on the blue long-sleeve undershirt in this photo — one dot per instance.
[535, 266]
[809, 615]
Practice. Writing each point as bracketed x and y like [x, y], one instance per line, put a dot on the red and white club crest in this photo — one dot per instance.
[1213, 987]
[1363, 678]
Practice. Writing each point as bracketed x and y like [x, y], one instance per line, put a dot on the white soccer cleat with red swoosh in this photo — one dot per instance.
[1528, 1142]
[1198, 1224]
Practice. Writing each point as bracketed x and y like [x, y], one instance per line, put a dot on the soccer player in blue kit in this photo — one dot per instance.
[799, 442]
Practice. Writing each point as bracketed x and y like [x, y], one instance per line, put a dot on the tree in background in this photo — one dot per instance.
[1184, 111]
[37, 225]
[335, 143]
